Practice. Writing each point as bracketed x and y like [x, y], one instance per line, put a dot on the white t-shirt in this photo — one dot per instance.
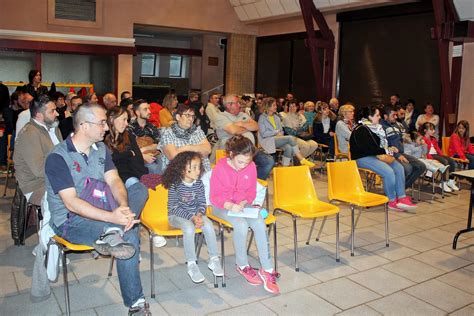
[23, 118]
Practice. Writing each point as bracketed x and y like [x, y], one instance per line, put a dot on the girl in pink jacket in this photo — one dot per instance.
[233, 187]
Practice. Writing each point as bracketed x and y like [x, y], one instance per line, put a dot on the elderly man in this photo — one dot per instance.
[333, 105]
[234, 122]
[111, 231]
[110, 101]
[33, 144]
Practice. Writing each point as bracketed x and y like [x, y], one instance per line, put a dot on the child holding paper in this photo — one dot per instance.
[233, 187]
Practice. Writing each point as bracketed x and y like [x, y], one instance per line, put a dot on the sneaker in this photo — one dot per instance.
[306, 162]
[250, 275]
[215, 266]
[112, 243]
[392, 205]
[445, 187]
[269, 281]
[142, 309]
[405, 203]
[159, 241]
[194, 273]
[452, 185]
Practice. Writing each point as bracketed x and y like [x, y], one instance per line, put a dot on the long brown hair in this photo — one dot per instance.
[114, 140]
[465, 139]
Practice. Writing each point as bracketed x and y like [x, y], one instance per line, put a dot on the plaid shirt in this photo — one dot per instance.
[168, 137]
[148, 130]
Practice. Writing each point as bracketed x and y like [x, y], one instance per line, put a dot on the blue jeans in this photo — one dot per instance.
[288, 144]
[264, 163]
[413, 169]
[80, 230]
[239, 236]
[189, 231]
[393, 175]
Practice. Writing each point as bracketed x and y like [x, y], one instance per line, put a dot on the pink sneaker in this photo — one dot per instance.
[250, 275]
[392, 205]
[405, 203]
[269, 281]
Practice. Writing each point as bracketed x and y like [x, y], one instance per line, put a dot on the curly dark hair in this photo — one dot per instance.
[426, 126]
[176, 169]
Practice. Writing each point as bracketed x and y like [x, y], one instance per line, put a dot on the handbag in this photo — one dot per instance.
[386, 158]
[98, 194]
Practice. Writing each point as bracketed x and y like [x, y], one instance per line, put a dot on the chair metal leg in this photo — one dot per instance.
[295, 239]
[152, 265]
[275, 249]
[386, 225]
[6, 180]
[352, 230]
[337, 238]
[221, 228]
[66, 283]
[199, 244]
[311, 231]
[111, 266]
[321, 228]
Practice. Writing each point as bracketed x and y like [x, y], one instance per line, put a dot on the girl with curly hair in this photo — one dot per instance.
[187, 210]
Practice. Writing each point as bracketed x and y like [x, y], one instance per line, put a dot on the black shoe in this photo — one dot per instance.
[112, 244]
[141, 309]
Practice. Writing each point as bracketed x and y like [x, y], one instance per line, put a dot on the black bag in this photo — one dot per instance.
[17, 218]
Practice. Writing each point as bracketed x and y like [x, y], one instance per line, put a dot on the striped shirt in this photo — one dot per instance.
[187, 199]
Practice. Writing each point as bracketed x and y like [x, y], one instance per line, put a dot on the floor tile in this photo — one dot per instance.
[441, 295]
[326, 268]
[459, 279]
[256, 308]
[120, 309]
[362, 310]
[21, 305]
[343, 293]
[394, 251]
[465, 311]
[300, 302]
[441, 260]
[401, 303]
[417, 243]
[413, 270]
[381, 281]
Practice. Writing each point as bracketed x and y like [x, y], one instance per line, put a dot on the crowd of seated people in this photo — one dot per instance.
[119, 143]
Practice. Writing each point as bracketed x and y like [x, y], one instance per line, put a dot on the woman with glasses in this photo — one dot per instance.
[344, 126]
[184, 135]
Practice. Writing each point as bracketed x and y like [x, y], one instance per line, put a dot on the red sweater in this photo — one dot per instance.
[458, 147]
[432, 142]
[229, 185]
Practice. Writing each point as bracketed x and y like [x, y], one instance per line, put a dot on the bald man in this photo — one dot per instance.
[110, 101]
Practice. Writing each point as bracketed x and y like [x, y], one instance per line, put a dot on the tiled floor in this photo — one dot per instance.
[419, 274]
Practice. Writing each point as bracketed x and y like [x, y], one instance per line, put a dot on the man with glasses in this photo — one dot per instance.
[114, 232]
[234, 122]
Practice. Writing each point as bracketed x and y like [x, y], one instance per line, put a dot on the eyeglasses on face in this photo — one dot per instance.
[101, 123]
[189, 116]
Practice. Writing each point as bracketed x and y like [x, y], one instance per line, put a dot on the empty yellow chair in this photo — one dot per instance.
[338, 154]
[154, 218]
[294, 194]
[345, 185]
[65, 247]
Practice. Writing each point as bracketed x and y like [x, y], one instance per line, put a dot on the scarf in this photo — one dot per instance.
[378, 130]
[181, 132]
[408, 116]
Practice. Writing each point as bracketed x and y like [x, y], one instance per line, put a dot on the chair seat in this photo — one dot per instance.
[163, 228]
[366, 170]
[309, 210]
[365, 199]
[71, 246]
[460, 160]
[268, 221]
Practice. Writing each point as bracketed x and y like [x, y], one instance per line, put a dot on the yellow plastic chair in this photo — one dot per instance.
[337, 153]
[270, 221]
[220, 153]
[65, 247]
[154, 218]
[294, 194]
[10, 170]
[345, 185]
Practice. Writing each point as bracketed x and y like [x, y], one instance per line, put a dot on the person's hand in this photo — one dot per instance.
[149, 158]
[331, 134]
[197, 220]
[122, 215]
[237, 208]
[403, 159]
[67, 114]
[280, 134]
[393, 149]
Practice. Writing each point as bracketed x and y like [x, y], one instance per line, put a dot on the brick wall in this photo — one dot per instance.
[240, 68]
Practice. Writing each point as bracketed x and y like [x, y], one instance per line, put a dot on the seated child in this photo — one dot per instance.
[416, 147]
[187, 210]
[233, 187]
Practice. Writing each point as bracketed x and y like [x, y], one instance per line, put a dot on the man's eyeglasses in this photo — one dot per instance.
[101, 123]
[189, 116]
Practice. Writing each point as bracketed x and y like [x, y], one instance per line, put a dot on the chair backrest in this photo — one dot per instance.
[445, 145]
[292, 185]
[343, 177]
[156, 208]
[220, 153]
[337, 152]
[10, 146]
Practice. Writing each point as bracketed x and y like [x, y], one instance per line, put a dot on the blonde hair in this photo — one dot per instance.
[267, 103]
[345, 108]
[168, 101]
[308, 104]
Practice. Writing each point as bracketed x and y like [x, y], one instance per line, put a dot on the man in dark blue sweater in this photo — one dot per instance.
[393, 129]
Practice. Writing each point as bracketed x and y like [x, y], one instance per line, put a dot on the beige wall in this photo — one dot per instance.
[211, 76]
[125, 70]
[241, 57]
[466, 96]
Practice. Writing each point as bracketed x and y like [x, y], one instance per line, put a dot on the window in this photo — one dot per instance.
[176, 66]
[148, 65]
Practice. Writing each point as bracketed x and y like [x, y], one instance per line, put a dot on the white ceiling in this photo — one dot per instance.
[258, 10]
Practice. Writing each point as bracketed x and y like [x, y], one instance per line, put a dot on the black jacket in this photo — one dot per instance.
[364, 143]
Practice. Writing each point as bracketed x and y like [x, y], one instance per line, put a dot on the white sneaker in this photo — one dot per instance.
[159, 241]
[215, 266]
[444, 186]
[194, 273]
[452, 185]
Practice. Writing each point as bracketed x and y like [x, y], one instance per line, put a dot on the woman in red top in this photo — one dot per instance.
[427, 130]
[460, 145]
